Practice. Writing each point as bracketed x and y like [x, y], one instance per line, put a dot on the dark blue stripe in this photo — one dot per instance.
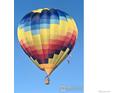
[35, 20]
[26, 20]
[54, 14]
[35, 23]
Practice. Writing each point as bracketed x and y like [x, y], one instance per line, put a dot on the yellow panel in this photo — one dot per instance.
[54, 27]
[48, 68]
[52, 36]
[49, 60]
[37, 41]
[44, 34]
[68, 28]
[54, 30]
[63, 27]
[25, 36]
[63, 56]
[28, 37]
[74, 24]
[21, 34]
[37, 11]
[54, 60]
[70, 24]
[59, 57]
[62, 22]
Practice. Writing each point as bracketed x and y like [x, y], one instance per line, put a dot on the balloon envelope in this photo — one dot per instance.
[47, 36]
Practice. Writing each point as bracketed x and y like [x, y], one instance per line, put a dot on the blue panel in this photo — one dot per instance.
[34, 32]
[53, 14]
[62, 18]
[26, 19]
[54, 21]
[27, 28]
[35, 23]
[46, 21]
[45, 14]
[62, 15]
[35, 27]
[35, 19]
[44, 26]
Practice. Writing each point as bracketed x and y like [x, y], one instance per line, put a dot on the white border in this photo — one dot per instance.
[6, 46]
[104, 46]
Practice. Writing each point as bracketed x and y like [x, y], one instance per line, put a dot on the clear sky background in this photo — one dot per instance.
[28, 78]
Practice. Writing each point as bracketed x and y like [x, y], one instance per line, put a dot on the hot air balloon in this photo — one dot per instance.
[47, 36]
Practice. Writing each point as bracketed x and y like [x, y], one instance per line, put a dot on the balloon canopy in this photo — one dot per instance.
[47, 36]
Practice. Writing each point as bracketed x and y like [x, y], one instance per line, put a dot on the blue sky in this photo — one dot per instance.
[28, 78]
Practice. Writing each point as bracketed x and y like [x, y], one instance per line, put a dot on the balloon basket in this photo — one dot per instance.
[47, 81]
